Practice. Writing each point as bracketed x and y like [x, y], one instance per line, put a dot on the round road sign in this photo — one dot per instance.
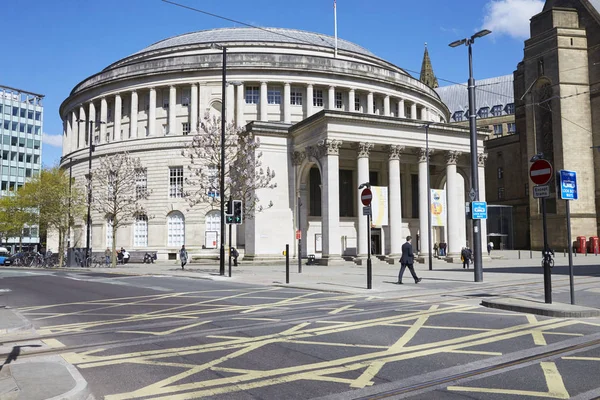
[540, 172]
[366, 197]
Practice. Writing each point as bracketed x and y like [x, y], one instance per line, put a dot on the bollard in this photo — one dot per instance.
[287, 263]
[564, 252]
[530, 254]
[519, 254]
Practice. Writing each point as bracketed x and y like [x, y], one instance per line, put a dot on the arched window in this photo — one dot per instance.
[176, 229]
[212, 226]
[109, 232]
[140, 231]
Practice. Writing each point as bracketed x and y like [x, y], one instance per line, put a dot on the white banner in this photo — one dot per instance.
[379, 206]
[438, 207]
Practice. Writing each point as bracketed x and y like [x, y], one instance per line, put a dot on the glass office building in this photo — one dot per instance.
[21, 121]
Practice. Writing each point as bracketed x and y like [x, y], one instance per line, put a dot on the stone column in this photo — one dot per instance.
[66, 136]
[330, 204]
[386, 106]
[331, 98]
[362, 177]
[82, 129]
[133, 115]
[91, 123]
[401, 110]
[481, 159]
[103, 119]
[453, 205]
[309, 100]
[395, 206]
[425, 114]
[413, 111]
[152, 112]
[240, 119]
[76, 140]
[117, 115]
[287, 111]
[193, 108]
[264, 102]
[370, 108]
[172, 113]
[351, 100]
[423, 206]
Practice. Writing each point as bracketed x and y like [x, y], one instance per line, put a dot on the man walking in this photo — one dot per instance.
[183, 256]
[465, 255]
[407, 260]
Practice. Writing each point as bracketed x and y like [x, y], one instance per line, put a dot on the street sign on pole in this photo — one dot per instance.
[366, 196]
[367, 210]
[541, 191]
[568, 185]
[540, 172]
[479, 210]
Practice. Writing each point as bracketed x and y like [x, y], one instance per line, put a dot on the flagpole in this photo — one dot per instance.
[335, 26]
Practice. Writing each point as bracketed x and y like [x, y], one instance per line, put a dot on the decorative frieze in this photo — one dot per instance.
[298, 157]
[452, 157]
[394, 151]
[364, 149]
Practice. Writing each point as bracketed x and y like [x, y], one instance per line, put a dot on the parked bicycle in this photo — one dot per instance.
[549, 257]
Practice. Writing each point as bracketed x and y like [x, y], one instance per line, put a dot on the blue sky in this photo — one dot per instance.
[53, 45]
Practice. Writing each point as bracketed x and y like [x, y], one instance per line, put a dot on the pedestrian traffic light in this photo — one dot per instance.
[228, 210]
[238, 214]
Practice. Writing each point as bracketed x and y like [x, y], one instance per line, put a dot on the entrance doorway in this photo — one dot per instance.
[376, 241]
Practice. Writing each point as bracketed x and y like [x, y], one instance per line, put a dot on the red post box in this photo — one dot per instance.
[581, 244]
[594, 245]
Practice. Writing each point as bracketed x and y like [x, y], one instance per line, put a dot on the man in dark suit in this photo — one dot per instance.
[407, 260]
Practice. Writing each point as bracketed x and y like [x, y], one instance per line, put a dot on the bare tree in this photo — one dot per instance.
[244, 173]
[118, 192]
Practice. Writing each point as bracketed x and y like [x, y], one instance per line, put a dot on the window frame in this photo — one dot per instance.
[176, 182]
[274, 96]
[318, 98]
[296, 96]
[252, 93]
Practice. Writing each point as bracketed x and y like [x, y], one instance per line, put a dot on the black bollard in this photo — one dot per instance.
[530, 254]
[287, 263]
[519, 254]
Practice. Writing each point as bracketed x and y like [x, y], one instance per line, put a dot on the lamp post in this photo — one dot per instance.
[222, 168]
[69, 212]
[426, 126]
[477, 264]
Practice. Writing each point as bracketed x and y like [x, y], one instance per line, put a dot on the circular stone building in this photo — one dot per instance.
[328, 120]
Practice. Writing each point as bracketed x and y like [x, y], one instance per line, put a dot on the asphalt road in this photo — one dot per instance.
[182, 338]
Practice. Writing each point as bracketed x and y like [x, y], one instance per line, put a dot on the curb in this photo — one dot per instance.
[560, 310]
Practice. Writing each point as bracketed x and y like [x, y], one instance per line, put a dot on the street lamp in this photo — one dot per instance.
[477, 264]
[222, 175]
[426, 126]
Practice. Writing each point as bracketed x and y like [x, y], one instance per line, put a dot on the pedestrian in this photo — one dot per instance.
[107, 253]
[235, 255]
[407, 260]
[183, 256]
[435, 249]
[490, 247]
[465, 257]
[126, 256]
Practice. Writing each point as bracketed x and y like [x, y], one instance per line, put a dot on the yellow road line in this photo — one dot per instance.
[538, 337]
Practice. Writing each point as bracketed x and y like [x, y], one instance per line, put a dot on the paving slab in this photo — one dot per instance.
[560, 310]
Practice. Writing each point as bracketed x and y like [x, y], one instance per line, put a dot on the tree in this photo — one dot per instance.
[14, 215]
[118, 192]
[244, 174]
[53, 203]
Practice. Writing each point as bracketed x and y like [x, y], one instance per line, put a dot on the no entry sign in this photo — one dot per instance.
[366, 196]
[540, 172]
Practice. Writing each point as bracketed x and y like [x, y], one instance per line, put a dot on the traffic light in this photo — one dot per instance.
[238, 214]
[229, 212]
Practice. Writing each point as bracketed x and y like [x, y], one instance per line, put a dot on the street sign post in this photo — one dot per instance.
[366, 196]
[568, 191]
[540, 172]
[479, 210]
[367, 210]
[541, 191]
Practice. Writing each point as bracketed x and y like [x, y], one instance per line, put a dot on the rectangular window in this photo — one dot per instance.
[7, 110]
[21, 157]
[23, 111]
[500, 172]
[318, 98]
[176, 182]
[165, 98]
[185, 128]
[15, 111]
[140, 231]
[22, 127]
[296, 97]
[484, 112]
[141, 183]
[315, 192]
[347, 195]
[338, 100]
[164, 129]
[497, 111]
[511, 127]
[28, 173]
[500, 193]
[38, 115]
[30, 114]
[274, 96]
[498, 129]
[29, 129]
[357, 102]
[510, 108]
[213, 182]
[185, 97]
[252, 94]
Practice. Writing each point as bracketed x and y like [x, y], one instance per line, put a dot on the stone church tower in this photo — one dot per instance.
[557, 100]
[427, 75]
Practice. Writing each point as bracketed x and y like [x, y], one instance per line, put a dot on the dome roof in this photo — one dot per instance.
[274, 35]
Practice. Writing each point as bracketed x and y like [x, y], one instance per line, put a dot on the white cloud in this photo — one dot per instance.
[511, 17]
[52, 140]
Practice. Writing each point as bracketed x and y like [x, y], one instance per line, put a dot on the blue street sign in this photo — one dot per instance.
[479, 210]
[568, 185]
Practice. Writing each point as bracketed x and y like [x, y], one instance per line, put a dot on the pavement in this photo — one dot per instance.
[40, 377]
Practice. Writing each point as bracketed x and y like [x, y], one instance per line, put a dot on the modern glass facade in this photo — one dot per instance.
[21, 127]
